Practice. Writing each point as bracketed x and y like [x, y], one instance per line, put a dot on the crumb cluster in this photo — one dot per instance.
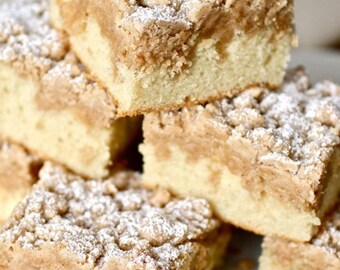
[110, 219]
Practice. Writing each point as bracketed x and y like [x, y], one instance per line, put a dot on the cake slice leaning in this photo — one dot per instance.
[322, 252]
[268, 162]
[69, 223]
[161, 55]
[49, 103]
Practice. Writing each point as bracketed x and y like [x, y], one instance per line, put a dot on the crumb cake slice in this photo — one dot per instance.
[322, 252]
[49, 103]
[164, 54]
[17, 175]
[69, 223]
[267, 161]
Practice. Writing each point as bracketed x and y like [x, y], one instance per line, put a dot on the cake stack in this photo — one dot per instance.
[230, 136]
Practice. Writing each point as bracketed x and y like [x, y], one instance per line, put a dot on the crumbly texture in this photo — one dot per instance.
[109, 222]
[161, 55]
[322, 252]
[17, 174]
[30, 45]
[151, 33]
[279, 142]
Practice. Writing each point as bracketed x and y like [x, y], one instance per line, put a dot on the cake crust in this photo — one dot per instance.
[103, 223]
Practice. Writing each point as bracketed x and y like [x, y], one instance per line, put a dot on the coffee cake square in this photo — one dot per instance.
[164, 54]
[268, 162]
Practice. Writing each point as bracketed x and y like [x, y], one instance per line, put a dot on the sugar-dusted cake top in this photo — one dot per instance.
[146, 34]
[298, 126]
[111, 219]
[328, 237]
[30, 45]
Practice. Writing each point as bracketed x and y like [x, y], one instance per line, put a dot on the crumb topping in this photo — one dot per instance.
[147, 34]
[285, 139]
[299, 125]
[30, 45]
[102, 220]
[329, 235]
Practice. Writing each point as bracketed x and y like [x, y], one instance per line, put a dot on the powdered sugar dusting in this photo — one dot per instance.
[26, 39]
[298, 126]
[101, 220]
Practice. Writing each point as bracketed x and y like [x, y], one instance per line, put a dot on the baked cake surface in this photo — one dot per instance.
[69, 223]
[49, 103]
[322, 252]
[17, 175]
[157, 55]
[267, 161]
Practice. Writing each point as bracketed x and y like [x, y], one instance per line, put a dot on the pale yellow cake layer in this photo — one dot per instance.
[303, 257]
[217, 69]
[56, 134]
[260, 213]
[320, 253]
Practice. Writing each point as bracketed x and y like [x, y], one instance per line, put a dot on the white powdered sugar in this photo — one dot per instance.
[108, 219]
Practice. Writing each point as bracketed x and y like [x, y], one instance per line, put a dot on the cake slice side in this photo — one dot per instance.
[159, 56]
[50, 104]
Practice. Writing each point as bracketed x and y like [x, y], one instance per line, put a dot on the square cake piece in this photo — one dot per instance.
[164, 54]
[17, 175]
[321, 253]
[268, 162]
[49, 103]
[69, 223]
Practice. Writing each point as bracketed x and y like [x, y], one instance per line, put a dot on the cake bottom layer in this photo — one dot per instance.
[258, 212]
